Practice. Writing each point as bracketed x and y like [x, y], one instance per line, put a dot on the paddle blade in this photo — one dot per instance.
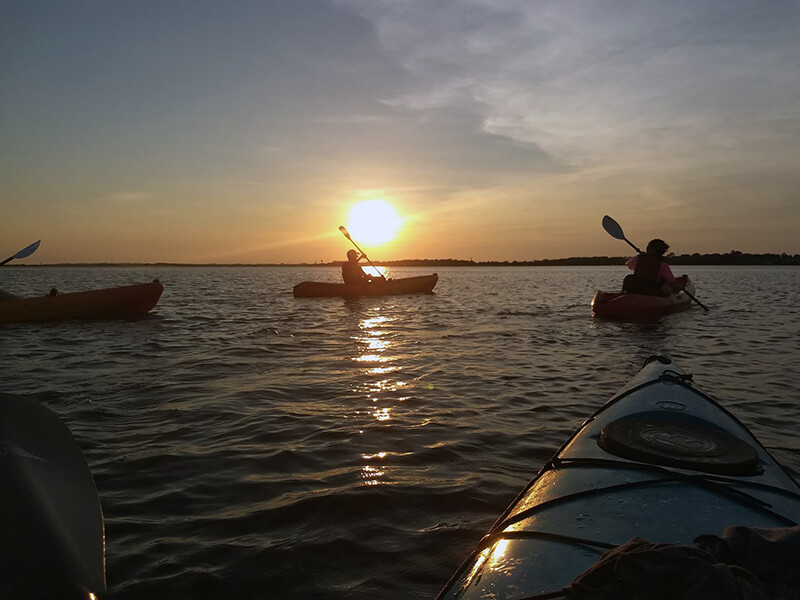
[344, 231]
[27, 251]
[613, 228]
[52, 521]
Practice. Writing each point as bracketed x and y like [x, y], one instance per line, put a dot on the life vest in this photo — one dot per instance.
[649, 267]
[646, 277]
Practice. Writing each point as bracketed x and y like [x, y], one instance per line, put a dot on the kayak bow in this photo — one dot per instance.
[660, 461]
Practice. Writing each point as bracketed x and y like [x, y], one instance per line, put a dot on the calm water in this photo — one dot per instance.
[248, 444]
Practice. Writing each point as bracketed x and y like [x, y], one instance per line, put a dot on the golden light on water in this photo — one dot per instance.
[382, 370]
[376, 271]
[387, 385]
[370, 456]
[371, 358]
[382, 414]
[374, 222]
[373, 322]
[377, 344]
[371, 475]
[377, 360]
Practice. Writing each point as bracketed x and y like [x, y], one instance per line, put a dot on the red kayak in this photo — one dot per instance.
[622, 305]
[410, 285]
[110, 303]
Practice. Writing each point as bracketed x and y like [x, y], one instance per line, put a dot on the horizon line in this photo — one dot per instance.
[696, 258]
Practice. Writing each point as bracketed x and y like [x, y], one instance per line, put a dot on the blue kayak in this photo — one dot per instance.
[660, 461]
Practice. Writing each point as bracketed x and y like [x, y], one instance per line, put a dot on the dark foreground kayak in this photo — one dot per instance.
[660, 461]
[51, 523]
[423, 284]
[621, 305]
[110, 303]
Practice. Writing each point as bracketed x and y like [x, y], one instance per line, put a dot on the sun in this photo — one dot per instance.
[374, 222]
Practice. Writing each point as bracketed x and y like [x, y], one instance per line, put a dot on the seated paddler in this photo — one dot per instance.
[651, 273]
[352, 273]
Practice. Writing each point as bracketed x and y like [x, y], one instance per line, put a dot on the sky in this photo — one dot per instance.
[245, 131]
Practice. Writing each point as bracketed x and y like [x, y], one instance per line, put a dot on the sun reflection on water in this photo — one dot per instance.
[374, 322]
[381, 414]
[371, 475]
[374, 271]
[370, 358]
[382, 370]
[379, 366]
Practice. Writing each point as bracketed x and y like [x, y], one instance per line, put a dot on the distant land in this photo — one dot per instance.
[733, 257]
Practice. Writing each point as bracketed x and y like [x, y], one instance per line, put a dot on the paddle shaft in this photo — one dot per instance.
[632, 246]
[347, 235]
[685, 291]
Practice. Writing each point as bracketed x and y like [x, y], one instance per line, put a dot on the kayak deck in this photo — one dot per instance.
[422, 284]
[678, 466]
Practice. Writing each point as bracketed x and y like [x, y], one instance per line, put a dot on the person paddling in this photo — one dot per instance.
[352, 273]
[651, 274]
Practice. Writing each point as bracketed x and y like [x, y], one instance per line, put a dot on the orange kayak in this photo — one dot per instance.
[110, 303]
[621, 305]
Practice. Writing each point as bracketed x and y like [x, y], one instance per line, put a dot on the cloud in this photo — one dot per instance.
[595, 83]
[129, 197]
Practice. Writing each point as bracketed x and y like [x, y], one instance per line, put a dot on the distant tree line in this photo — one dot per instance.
[734, 257]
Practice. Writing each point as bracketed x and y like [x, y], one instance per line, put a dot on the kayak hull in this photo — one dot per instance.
[110, 303]
[423, 284]
[660, 461]
[620, 305]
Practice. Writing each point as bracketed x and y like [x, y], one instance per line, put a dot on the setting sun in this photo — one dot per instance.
[374, 222]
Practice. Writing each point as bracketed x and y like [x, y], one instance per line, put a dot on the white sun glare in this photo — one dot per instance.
[373, 222]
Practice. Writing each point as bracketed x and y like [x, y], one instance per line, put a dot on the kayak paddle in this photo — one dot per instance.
[615, 231]
[346, 234]
[52, 521]
[25, 252]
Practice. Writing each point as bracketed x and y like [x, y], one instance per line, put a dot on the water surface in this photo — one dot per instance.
[249, 444]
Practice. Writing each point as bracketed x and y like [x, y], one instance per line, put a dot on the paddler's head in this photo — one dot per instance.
[352, 256]
[657, 247]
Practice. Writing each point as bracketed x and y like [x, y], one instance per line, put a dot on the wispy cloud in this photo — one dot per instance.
[603, 82]
[129, 197]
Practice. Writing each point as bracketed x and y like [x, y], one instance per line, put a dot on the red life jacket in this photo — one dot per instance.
[649, 267]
